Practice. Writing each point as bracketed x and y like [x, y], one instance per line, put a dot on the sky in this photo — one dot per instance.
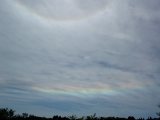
[65, 57]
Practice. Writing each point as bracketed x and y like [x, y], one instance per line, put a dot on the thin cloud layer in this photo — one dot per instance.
[105, 63]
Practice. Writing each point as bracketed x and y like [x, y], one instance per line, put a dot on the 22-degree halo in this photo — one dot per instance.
[62, 10]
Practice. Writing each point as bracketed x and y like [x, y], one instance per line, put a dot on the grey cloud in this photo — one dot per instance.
[118, 48]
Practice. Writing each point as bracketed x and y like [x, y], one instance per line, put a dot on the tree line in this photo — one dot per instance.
[9, 114]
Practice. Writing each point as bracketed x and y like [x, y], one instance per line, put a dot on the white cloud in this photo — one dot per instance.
[115, 50]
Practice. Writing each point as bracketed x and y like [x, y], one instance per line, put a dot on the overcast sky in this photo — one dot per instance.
[80, 57]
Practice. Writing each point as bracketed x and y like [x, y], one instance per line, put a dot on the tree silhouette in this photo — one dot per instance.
[25, 115]
[73, 117]
[158, 113]
[131, 118]
[11, 113]
[6, 113]
[92, 117]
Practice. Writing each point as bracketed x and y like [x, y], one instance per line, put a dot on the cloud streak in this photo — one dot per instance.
[102, 63]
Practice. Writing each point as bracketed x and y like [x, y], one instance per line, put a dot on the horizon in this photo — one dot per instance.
[7, 113]
[80, 57]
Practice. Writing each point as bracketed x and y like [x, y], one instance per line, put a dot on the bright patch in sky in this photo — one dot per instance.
[63, 10]
[80, 57]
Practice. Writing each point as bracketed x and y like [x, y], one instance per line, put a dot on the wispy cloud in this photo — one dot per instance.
[104, 62]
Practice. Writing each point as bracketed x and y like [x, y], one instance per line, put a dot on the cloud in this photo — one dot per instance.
[105, 62]
[63, 10]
